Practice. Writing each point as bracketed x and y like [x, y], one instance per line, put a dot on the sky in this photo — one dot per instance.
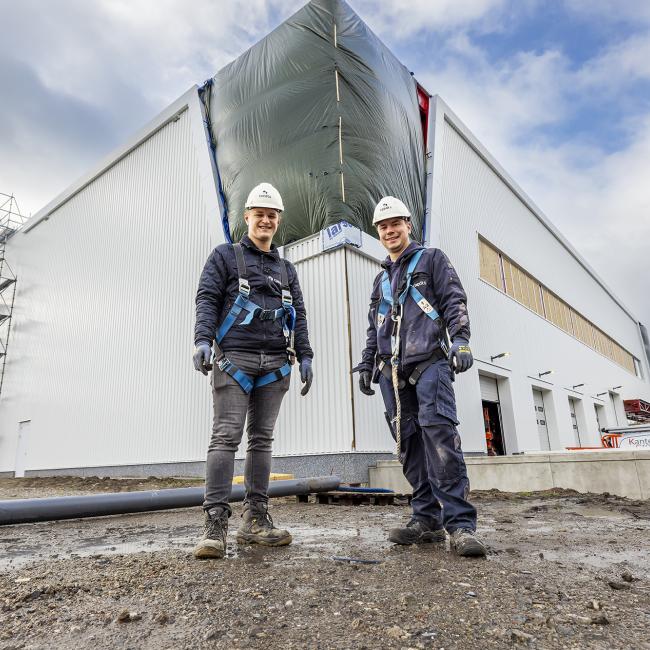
[557, 90]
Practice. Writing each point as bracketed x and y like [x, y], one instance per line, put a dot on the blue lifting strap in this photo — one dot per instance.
[387, 293]
[287, 313]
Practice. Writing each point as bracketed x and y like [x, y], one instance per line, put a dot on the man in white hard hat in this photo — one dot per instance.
[250, 325]
[415, 300]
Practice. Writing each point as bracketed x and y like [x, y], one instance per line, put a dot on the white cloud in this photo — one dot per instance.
[620, 64]
[403, 18]
[612, 11]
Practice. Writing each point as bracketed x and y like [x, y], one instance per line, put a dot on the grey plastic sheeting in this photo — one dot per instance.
[275, 117]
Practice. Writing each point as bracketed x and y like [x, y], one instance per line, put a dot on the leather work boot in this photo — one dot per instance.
[416, 532]
[215, 530]
[258, 528]
[466, 543]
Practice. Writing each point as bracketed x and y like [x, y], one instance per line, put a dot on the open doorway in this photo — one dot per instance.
[493, 431]
[492, 416]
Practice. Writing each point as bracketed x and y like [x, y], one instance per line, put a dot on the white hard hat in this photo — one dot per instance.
[388, 208]
[264, 195]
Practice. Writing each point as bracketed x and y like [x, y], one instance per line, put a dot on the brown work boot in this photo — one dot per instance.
[258, 528]
[213, 542]
[466, 543]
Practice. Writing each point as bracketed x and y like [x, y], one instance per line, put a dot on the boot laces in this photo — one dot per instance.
[264, 520]
[215, 527]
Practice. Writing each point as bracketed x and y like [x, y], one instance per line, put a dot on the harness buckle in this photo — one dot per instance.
[244, 287]
[396, 312]
[223, 364]
[267, 314]
[287, 298]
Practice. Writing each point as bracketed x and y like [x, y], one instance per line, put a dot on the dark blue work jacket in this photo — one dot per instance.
[218, 290]
[437, 280]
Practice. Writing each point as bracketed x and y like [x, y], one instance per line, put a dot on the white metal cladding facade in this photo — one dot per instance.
[470, 198]
[371, 429]
[104, 313]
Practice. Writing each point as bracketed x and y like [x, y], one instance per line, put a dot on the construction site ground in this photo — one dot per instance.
[564, 570]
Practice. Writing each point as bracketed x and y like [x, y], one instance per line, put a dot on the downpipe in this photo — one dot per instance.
[23, 511]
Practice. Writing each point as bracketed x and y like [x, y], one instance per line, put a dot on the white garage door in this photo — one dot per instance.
[540, 415]
[489, 390]
[574, 421]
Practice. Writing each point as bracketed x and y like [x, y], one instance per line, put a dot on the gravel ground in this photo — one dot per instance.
[565, 570]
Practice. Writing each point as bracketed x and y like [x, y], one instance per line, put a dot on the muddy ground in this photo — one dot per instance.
[565, 570]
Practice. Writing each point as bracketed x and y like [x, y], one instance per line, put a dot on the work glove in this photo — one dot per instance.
[365, 377]
[460, 356]
[202, 355]
[306, 375]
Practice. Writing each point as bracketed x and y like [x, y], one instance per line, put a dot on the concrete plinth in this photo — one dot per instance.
[625, 473]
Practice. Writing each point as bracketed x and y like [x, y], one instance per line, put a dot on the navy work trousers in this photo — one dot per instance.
[433, 462]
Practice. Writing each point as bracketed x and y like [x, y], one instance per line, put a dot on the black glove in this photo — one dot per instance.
[460, 356]
[365, 377]
[202, 354]
[306, 375]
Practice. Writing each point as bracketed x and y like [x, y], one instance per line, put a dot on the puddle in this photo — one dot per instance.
[310, 542]
[601, 559]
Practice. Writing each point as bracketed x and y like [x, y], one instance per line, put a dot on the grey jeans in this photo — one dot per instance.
[232, 408]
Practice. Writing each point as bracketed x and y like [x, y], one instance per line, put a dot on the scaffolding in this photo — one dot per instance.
[10, 221]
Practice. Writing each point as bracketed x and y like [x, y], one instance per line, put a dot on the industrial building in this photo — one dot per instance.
[99, 378]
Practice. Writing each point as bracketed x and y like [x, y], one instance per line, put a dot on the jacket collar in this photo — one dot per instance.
[246, 241]
[406, 254]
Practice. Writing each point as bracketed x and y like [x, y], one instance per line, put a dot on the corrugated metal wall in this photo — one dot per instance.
[372, 432]
[322, 420]
[102, 335]
[474, 200]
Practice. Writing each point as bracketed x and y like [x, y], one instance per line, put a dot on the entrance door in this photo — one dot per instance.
[21, 448]
[540, 415]
[574, 421]
[492, 416]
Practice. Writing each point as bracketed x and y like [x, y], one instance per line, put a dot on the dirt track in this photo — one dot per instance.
[564, 571]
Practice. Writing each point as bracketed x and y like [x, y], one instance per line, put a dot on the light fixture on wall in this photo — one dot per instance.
[500, 356]
[599, 394]
[577, 386]
[546, 372]
[617, 387]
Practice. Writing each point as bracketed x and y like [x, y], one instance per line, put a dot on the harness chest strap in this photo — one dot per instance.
[387, 300]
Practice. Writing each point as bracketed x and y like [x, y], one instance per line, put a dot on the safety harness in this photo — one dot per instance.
[395, 305]
[286, 313]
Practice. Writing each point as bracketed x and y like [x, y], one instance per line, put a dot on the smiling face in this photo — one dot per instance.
[394, 234]
[262, 225]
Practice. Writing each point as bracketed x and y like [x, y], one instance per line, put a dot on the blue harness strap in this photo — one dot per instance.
[273, 376]
[387, 294]
[242, 303]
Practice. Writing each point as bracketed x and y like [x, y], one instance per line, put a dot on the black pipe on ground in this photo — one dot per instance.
[23, 511]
